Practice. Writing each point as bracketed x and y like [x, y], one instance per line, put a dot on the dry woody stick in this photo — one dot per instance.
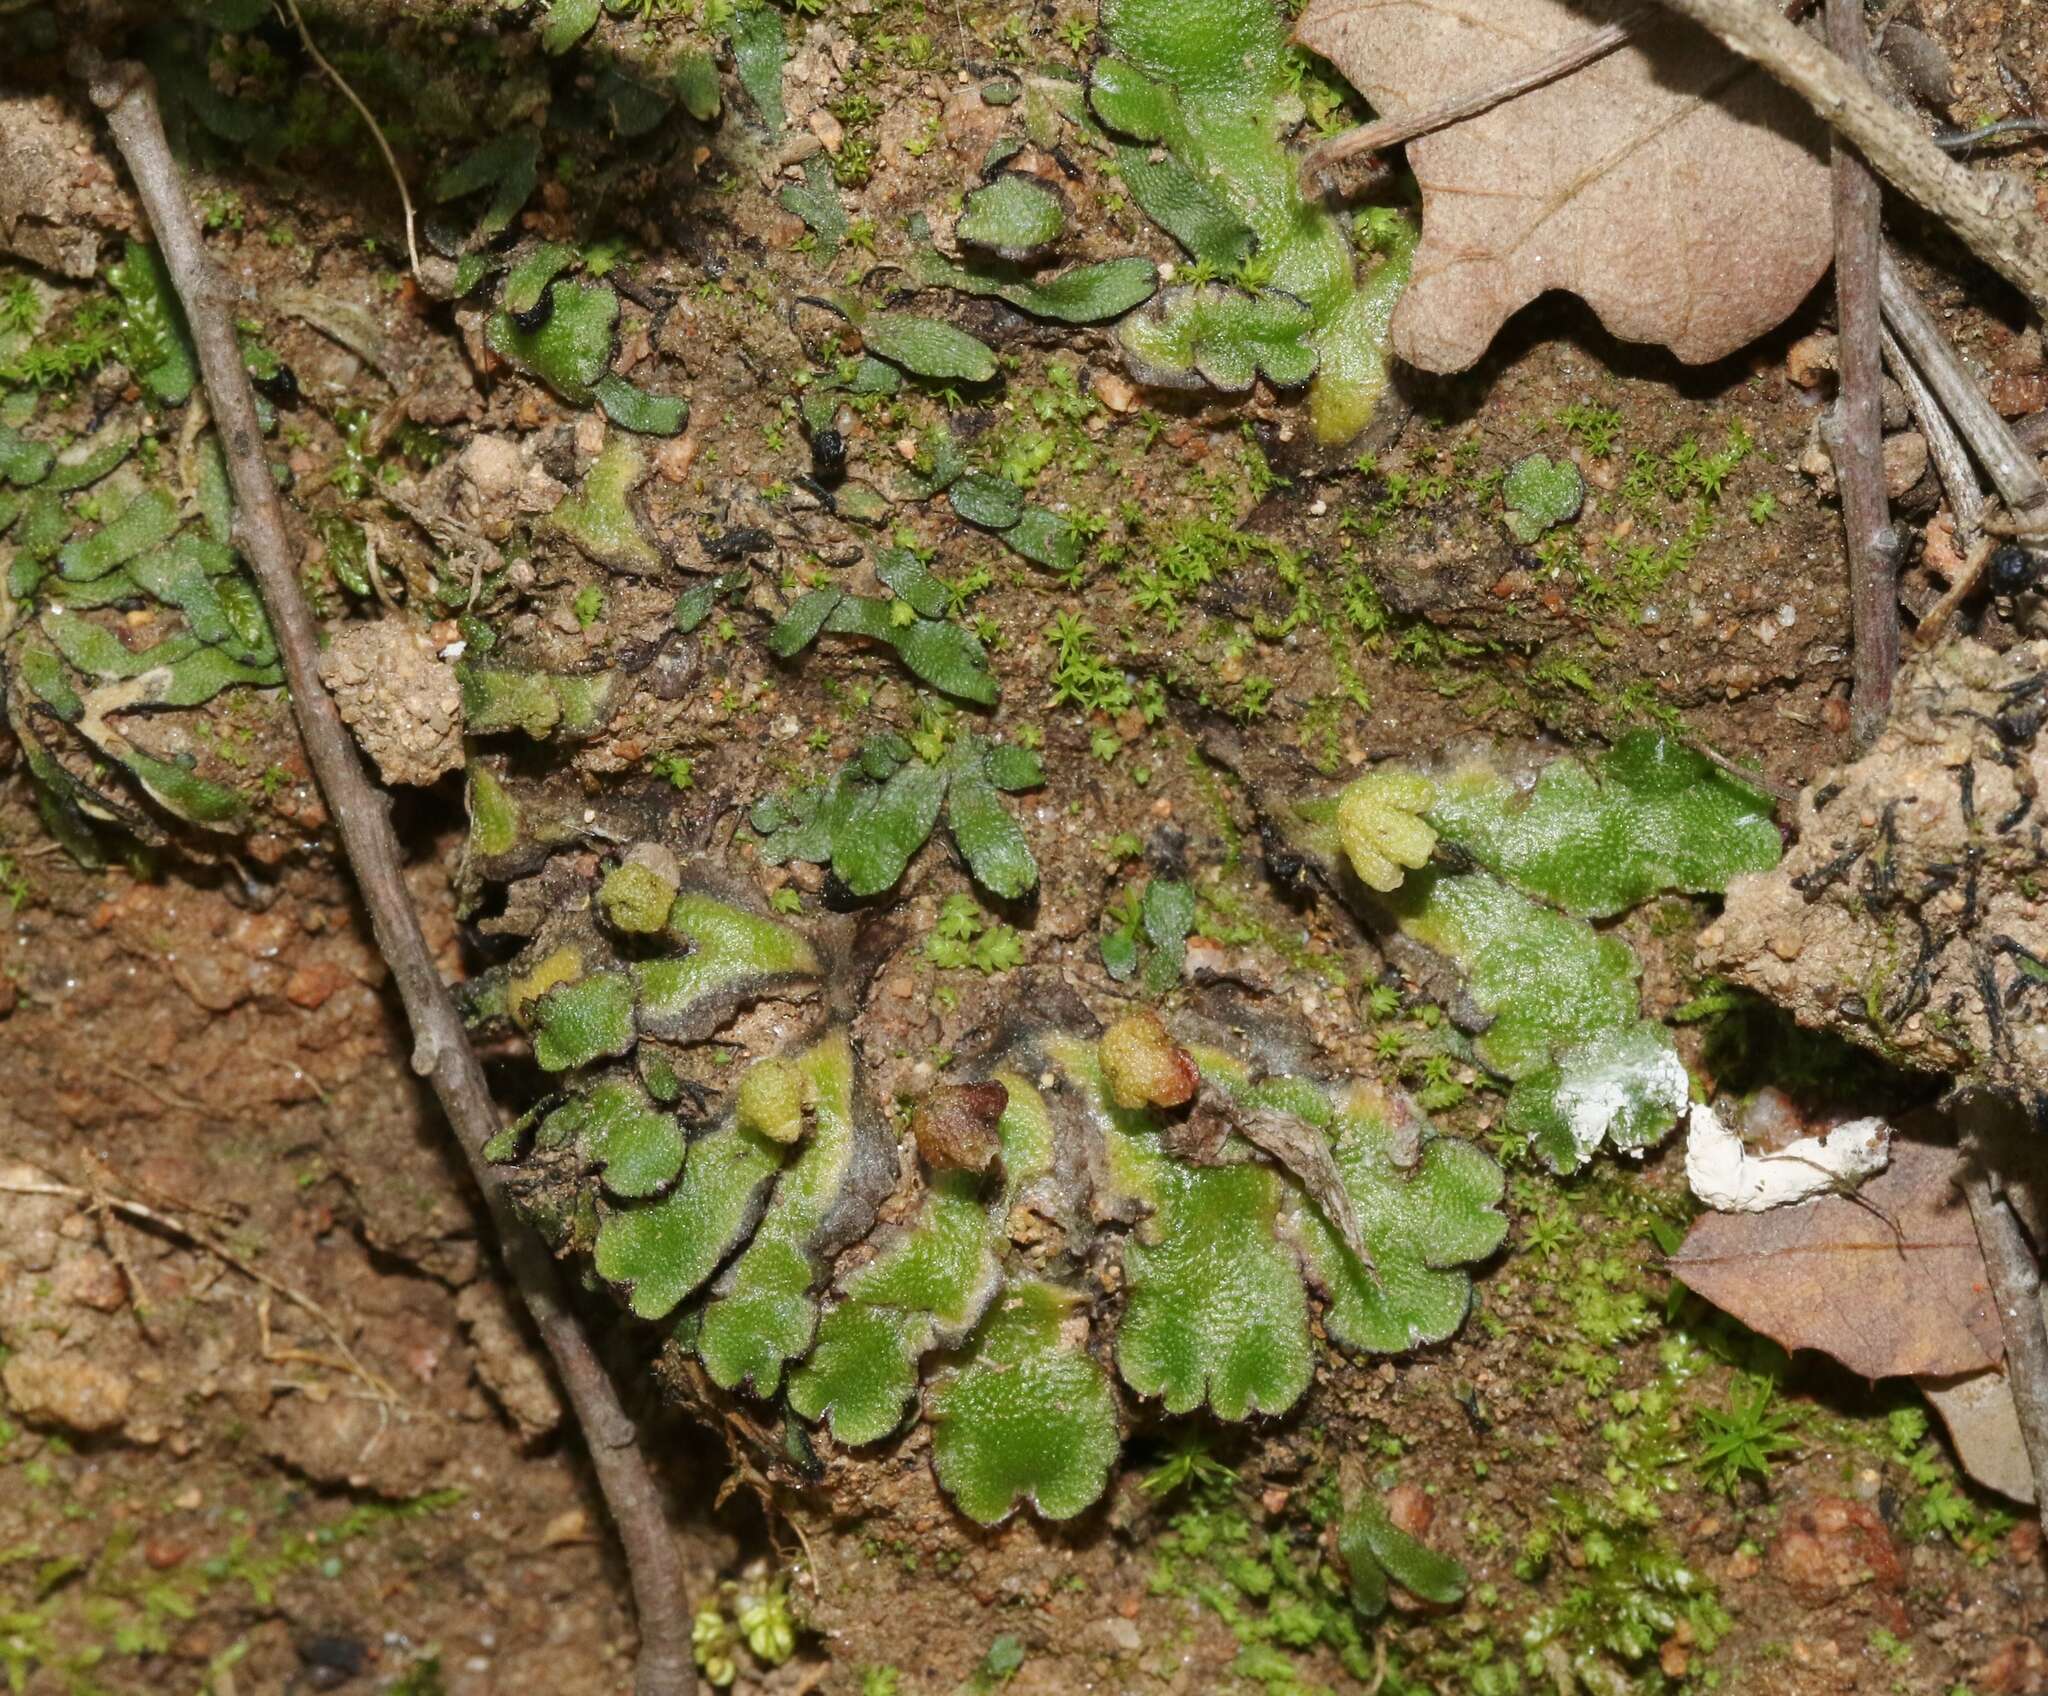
[441, 1053]
[1991, 212]
[1856, 441]
[2015, 1280]
[2012, 469]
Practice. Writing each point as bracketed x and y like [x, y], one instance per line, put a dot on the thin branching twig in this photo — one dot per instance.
[2013, 471]
[1958, 477]
[291, 11]
[442, 1053]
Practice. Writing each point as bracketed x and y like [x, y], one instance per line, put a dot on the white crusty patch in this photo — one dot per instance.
[1731, 1179]
[1594, 1100]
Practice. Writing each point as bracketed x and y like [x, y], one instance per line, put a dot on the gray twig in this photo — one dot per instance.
[1951, 458]
[2011, 468]
[1857, 439]
[1958, 480]
[441, 1053]
[1991, 212]
[2015, 1279]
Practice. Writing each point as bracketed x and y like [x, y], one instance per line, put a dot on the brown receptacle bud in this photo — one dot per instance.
[955, 1126]
[1144, 1067]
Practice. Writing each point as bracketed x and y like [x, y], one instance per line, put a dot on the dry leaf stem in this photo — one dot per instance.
[1856, 438]
[1991, 212]
[2015, 1279]
[442, 1053]
[1391, 132]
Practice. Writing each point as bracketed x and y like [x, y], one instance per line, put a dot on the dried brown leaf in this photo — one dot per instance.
[1889, 1282]
[1679, 191]
[1984, 1425]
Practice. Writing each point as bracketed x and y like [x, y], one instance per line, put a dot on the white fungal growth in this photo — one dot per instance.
[1731, 1179]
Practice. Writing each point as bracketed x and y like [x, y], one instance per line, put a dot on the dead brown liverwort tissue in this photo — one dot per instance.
[1677, 190]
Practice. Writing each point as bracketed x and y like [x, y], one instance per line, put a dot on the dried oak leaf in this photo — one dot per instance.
[1890, 1282]
[1677, 190]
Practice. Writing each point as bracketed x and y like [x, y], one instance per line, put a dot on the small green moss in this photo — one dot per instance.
[144, 523]
[664, 1250]
[771, 1101]
[1210, 81]
[1014, 217]
[1379, 823]
[1374, 1550]
[1541, 493]
[616, 1128]
[504, 697]
[730, 953]
[1596, 838]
